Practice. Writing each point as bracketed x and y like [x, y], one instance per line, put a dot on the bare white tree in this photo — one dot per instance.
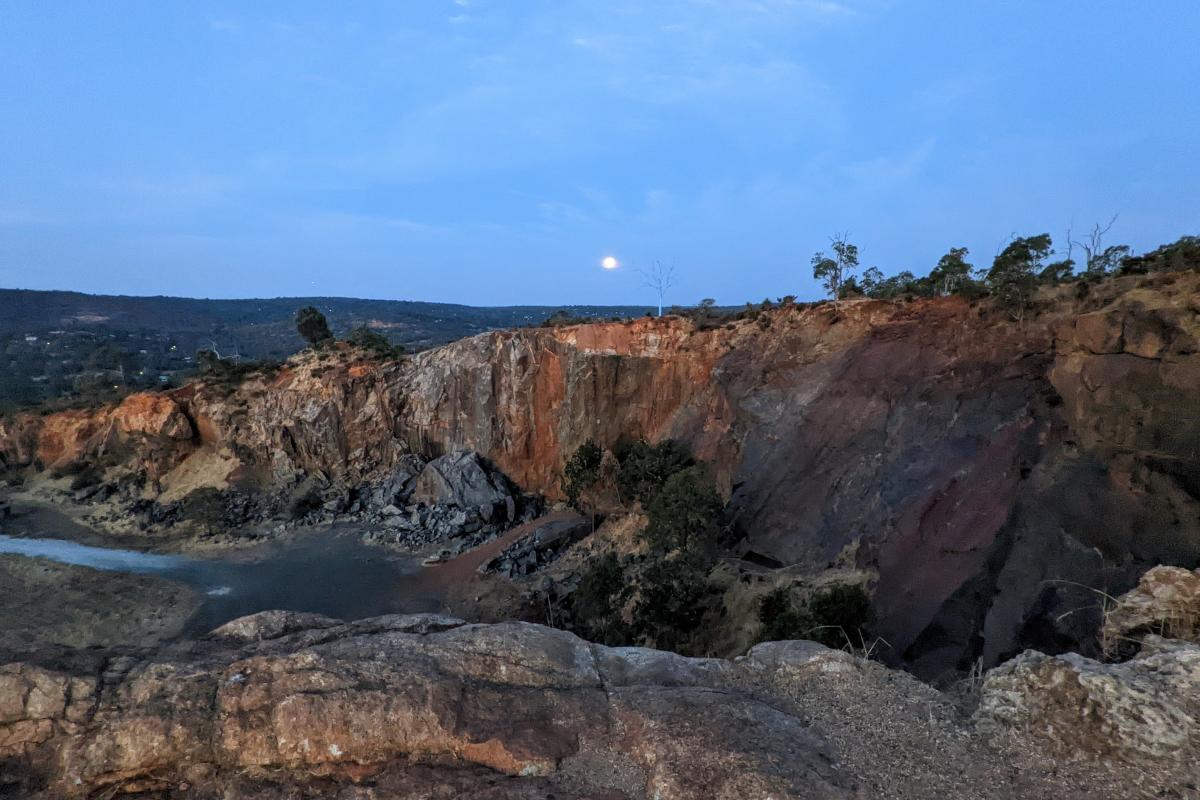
[659, 277]
[1101, 259]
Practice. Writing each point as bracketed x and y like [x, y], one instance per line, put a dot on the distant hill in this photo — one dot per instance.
[55, 345]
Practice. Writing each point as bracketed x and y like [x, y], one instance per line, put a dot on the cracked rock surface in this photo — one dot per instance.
[297, 705]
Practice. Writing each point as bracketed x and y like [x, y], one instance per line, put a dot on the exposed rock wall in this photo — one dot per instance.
[994, 473]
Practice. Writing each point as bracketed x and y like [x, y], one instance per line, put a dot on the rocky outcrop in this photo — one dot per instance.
[996, 474]
[284, 705]
[1166, 602]
[303, 696]
[151, 428]
[1144, 710]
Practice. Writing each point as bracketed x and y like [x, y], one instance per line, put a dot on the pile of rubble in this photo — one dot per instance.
[538, 549]
[457, 498]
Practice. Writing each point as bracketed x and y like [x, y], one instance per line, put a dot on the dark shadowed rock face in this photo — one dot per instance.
[997, 475]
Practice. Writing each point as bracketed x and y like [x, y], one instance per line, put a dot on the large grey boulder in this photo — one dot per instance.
[462, 479]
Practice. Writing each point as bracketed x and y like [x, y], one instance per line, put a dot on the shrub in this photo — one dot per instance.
[562, 318]
[205, 507]
[311, 325]
[685, 514]
[374, 342]
[88, 476]
[582, 470]
[217, 369]
[596, 604]
[781, 620]
[836, 616]
[1179, 256]
[842, 612]
[670, 601]
[646, 467]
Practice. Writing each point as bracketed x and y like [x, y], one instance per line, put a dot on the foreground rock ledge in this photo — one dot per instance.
[298, 693]
[285, 705]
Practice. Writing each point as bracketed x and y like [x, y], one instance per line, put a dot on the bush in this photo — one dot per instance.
[563, 318]
[311, 325]
[646, 467]
[582, 470]
[670, 601]
[781, 620]
[836, 616]
[205, 507]
[596, 604]
[685, 514]
[210, 366]
[375, 343]
[1179, 256]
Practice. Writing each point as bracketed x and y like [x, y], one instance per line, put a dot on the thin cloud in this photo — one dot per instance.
[889, 168]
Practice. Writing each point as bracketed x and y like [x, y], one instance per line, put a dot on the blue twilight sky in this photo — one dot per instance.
[493, 152]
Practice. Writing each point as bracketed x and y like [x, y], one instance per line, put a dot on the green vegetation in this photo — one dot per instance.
[374, 343]
[670, 604]
[205, 507]
[224, 370]
[598, 601]
[658, 599]
[836, 616]
[834, 271]
[646, 467]
[684, 514]
[1017, 271]
[312, 327]
[1179, 256]
[582, 470]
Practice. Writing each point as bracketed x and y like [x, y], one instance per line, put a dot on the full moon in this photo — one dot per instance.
[608, 262]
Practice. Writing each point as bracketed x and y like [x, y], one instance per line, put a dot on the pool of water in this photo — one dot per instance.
[328, 573]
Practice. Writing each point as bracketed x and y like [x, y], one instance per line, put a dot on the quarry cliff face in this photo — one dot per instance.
[996, 474]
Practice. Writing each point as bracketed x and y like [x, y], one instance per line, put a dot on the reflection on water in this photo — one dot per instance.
[85, 556]
[332, 574]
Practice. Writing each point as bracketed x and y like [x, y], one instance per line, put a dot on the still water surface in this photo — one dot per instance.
[328, 573]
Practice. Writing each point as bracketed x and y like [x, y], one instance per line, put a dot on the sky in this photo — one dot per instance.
[492, 153]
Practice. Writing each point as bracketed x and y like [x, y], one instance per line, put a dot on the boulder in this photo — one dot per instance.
[462, 479]
[394, 490]
[1142, 711]
[1166, 602]
[271, 625]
